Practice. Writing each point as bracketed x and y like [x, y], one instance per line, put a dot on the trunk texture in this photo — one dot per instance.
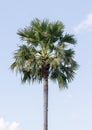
[45, 95]
[45, 92]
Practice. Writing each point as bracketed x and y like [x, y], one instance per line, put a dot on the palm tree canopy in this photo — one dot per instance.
[46, 48]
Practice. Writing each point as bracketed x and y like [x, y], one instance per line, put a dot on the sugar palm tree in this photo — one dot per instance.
[46, 55]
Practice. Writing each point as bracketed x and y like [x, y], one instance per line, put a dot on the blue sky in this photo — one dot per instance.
[21, 106]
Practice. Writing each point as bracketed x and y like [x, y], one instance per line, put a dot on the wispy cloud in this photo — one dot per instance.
[6, 125]
[86, 24]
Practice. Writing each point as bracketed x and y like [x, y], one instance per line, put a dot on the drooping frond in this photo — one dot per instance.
[63, 71]
[26, 63]
[57, 75]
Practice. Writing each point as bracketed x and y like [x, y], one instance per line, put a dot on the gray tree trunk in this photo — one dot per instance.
[45, 92]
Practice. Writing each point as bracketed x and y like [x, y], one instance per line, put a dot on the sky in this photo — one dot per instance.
[21, 105]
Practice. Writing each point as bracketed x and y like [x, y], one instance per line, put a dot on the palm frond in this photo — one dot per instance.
[57, 75]
[67, 38]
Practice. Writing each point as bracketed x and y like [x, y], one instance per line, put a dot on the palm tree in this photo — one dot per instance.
[46, 55]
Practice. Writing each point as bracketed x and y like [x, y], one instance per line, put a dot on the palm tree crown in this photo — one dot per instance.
[46, 53]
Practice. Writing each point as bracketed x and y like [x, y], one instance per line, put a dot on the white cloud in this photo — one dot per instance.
[6, 125]
[14, 126]
[85, 24]
[3, 124]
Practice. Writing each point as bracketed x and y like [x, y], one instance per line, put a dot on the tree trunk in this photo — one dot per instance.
[45, 92]
[45, 70]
